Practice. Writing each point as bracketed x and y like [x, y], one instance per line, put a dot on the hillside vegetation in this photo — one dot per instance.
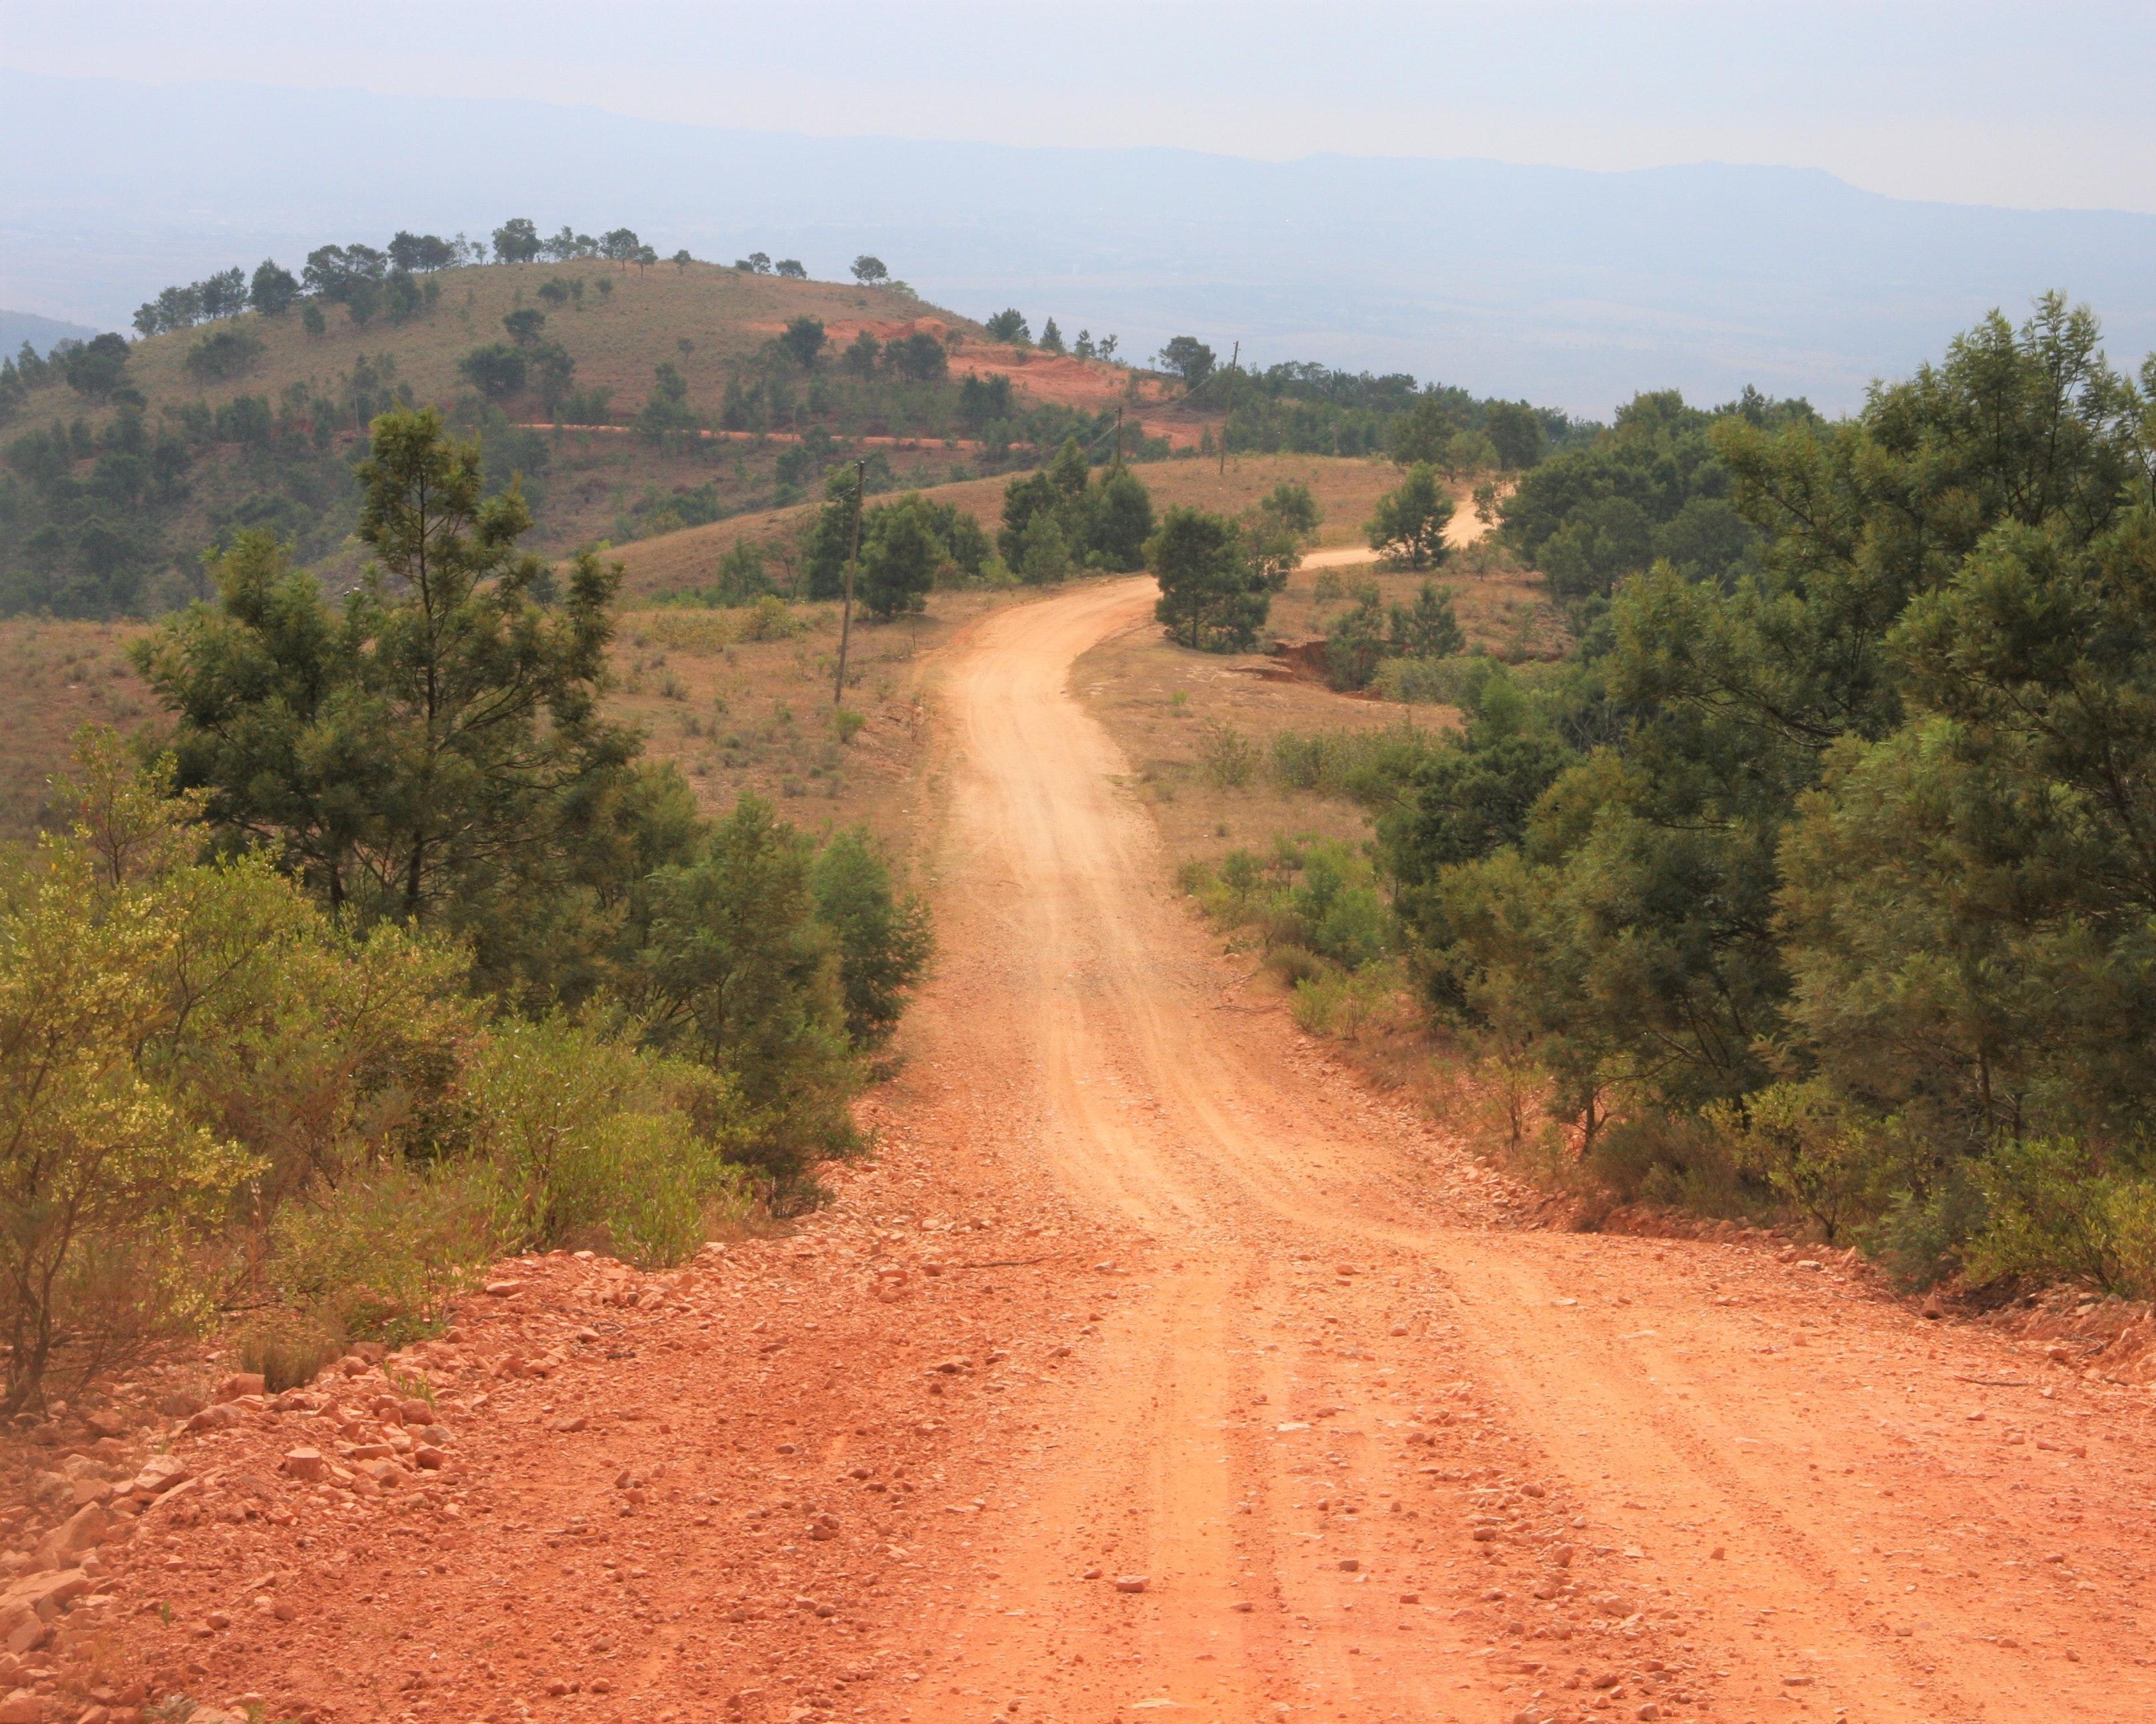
[127, 457]
[1812, 882]
[403, 953]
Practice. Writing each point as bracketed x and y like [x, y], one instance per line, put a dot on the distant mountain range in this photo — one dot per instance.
[17, 327]
[1573, 288]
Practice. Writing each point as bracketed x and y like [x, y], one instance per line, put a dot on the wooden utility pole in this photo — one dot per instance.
[1234, 363]
[846, 610]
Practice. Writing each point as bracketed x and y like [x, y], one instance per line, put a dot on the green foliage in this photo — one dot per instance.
[884, 942]
[2055, 1209]
[802, 340]
[736, 970]
[96, 368]
[592, 1143]
[1008, 324]
[1061, 518]
[1408, 527]
[431, 752]
[497, 371]
[1827, 845]
[378, 1255]
[223, 353]
[1189, 359]
[1211, 599]
[901, 553]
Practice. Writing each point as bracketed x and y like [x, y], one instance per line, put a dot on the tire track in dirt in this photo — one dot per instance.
[1142, 1284]
[1653, 1427]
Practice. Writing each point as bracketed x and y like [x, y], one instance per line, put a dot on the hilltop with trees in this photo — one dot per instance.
[244, 401]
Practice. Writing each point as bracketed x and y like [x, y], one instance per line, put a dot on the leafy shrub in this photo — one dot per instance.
[1229, 757]
[378, 1255]
[1342, 1002]
[770, 618]
[595, 1144]
[883, 940]
[2057, 1209]
[223, 353]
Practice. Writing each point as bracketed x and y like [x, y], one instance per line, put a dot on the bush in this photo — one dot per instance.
[595, 1145]
[770, 618]
[497, 371]
[1230, 758]
[223, 353]
[1341, 1003]
[377, 1255]
[2057, 1209]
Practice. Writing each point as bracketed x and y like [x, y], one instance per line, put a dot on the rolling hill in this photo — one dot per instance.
[1572, 287]
[254, 420]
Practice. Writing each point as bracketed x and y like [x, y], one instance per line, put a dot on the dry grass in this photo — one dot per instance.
[734, 714]
[738, 715]
[1167, 705]
[55, 678]
[704, 319]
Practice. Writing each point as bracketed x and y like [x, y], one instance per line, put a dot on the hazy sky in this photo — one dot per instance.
[1993, 101]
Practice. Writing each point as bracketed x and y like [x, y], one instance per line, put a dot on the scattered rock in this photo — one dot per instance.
[80, 1533]
[241, 1383]
[1131, 1582]
[306, 1464]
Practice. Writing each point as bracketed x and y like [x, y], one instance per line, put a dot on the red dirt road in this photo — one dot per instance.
[1202, 1314]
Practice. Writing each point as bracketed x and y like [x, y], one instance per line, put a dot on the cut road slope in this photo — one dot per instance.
[1154, 1368]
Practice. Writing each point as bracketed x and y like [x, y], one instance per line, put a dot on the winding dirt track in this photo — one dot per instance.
[1329, 1365]
[1142, 1289]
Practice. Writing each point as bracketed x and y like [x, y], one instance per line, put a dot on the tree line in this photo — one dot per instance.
[403, 956]
[1816, 877]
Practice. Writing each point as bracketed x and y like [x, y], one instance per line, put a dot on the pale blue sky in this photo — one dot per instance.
[1995, 102]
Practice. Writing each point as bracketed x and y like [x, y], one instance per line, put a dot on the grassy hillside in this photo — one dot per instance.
[107, 498]
[703, 318]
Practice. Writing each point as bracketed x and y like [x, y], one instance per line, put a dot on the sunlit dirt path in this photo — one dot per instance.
[1373, 1456]
[1150, 1366]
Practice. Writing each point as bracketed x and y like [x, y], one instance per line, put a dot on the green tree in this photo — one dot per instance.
[666, 408]
[870, 271]
[901, 553]
[1408, 527]
[735, 968]
[1010, 325]
[919, 357]
[431, 752]
[525, 325]
[1427, 629]
[1051, 337]
[884, 941]
[1423, 435]
[1188, 358]
[497, 371]
[803, 340]
[516, 241]
[1515, 430]
[97, 366]
[1209, 598]
[861, 354]
[1121, 519]
[272, 290]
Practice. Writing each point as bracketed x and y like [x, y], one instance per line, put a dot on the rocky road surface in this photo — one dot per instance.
[1152, 1367]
